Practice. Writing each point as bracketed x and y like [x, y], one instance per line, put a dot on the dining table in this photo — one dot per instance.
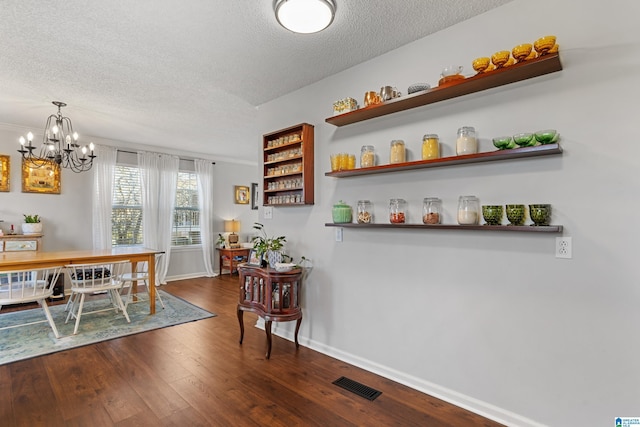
[10, 261]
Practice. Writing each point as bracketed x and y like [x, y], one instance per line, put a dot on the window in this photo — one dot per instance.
[126, 211]
[186, 216]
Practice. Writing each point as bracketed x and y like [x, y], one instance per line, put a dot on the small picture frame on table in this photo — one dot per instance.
[254, 258]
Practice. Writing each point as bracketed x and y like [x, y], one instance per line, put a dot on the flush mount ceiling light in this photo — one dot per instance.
[305, 16]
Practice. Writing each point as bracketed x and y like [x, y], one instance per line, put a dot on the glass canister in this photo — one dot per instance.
[467, 142]
[431, 210]
[367, 156]
[468, 210]
[398, 152]
[341, 213]
[397, 211]
[430, 147]
[365, 212]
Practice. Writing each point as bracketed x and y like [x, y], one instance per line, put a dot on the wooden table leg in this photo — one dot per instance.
[267, 328]
[297, 329]
[151, 265]
[241, 321]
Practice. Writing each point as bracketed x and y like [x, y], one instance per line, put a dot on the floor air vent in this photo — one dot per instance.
[357, 388]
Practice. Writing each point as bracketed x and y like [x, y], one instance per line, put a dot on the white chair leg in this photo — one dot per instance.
[116, 296]
[159, 297]
[75, 330]
[71, 306]
[47, 313]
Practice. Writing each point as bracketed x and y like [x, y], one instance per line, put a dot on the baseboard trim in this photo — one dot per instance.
[471, 404]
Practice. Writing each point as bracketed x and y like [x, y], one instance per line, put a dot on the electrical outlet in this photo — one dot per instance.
[339, 234]
[268, 212]
[563, 247]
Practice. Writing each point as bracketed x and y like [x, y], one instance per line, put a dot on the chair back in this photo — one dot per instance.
[28, 285]
[95, 276]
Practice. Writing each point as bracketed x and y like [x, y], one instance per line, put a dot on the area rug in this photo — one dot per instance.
[25, 334]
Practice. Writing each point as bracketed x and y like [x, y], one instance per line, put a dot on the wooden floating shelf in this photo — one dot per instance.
[521, 228]
[545, 64]
[489, 156]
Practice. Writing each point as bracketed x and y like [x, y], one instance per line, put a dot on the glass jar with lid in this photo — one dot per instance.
[468, 210]
[365, 212]
[432, 210]
[367, 156]
[430, 146]
[398, 152]
[467, 142]
[397, 211]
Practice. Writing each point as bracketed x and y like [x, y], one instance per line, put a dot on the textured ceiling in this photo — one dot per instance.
[187, 73]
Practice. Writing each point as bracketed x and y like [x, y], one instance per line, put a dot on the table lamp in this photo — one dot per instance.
[231, 226]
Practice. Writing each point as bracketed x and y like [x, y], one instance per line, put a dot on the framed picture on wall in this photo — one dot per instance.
[241, 194]
[4, 173]
[45, 179]
[254, 196]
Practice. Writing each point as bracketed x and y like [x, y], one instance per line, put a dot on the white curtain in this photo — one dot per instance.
[158, 176]
[204, 174]
[103, 172]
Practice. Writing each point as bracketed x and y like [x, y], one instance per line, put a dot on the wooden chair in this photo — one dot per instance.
[141, 275]
[31, 285]
[94, 279]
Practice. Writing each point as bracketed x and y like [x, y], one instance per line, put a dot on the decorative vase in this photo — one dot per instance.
[31, 228]
[274, 257]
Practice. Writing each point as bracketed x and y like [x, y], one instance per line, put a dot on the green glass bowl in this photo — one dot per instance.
[515, 214]
[503, 142]
[492, 214]
[548, 136]
[540, 214]
[525, 139]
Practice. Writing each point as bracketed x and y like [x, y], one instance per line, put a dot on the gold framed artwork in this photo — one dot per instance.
[241, 194]
[44, 180]
[5, 172]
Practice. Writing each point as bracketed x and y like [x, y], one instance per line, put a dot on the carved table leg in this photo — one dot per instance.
[267, 328]
[241, 321]
[297, 329]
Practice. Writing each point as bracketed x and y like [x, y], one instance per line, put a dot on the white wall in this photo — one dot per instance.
[490, 321]
[67, 218]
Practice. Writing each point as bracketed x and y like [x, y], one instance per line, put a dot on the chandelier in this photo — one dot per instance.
[59, 145]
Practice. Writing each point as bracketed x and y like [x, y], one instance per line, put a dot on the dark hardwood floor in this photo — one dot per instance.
[197, 374]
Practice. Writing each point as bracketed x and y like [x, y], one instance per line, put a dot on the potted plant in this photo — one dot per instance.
[31, 224]
[271, 246]
[221, 241]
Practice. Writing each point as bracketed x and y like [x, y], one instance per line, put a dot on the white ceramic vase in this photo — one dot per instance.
[274, 257]
[31, 228]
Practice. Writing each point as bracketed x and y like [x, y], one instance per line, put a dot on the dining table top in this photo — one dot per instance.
[19, 259]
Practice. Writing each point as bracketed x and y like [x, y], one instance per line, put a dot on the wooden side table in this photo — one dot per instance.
[227, 258]
[272, 295]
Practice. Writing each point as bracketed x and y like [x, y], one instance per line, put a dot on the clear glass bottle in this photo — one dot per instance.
[398, 153]
[467, 142]
[431, 210]
[365, 212]
[367, 156]
[468, 210]
[430, 146]
[397, 211]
